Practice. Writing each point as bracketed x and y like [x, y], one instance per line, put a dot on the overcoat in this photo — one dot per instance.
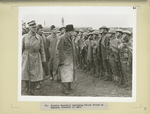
[45, 64]
[66, 50]
[33, 55]
[52, 48]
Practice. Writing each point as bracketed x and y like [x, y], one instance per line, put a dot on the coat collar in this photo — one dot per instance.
[68, 37]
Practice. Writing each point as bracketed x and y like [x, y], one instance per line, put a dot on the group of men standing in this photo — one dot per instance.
[105, 53]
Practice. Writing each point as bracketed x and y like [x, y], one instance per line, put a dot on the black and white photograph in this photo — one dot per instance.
[77, 54]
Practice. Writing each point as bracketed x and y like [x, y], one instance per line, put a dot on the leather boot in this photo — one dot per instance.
[69, 86]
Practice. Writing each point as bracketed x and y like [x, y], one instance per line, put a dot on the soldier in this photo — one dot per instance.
[24, 29]
[80, 44]
[104, 42]
[95, 53]
[53, 55]
[62, 30]
[125, 54]
[89, 53]
[99, 54]
[84, 51]
[40, 32]
[33, 55]
[119, 35]
[45, 65]
[76, 46]
[66, 51]
[113, 57]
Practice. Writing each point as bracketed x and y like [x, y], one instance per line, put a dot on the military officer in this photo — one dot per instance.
[33, 55]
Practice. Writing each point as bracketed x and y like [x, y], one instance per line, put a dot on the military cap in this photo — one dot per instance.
[32, 23]
[126, 31]
[100, 32]
[61, 28]
[104, 27]
[81, 30]
[112, 31]
[75, 30]
[90, 33]
[69, 28]
[52, 27]
[96, 32]
[119, 30]
[85, 34]
[58, 31]
[39, 26]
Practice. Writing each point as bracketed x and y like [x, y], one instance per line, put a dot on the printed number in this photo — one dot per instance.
[134, 7]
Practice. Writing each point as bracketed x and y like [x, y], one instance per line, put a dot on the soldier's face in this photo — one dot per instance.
[63, 30]
[125, 37]
[75, 33]
[71, 33]
[94, 35]
[101, 30]
[80, 33]
[54, 30]
[105, 31]
[117, 34]
[100, 35]
[40, 31]
[24, 26]
[33, 29]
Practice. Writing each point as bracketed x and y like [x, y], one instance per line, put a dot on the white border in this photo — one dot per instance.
[76, 10]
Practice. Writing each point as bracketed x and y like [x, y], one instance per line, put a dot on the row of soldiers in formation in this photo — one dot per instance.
[105, 53]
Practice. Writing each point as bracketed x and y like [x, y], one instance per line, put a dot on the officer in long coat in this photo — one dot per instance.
[33, 55]
[67, 67]
[53, 55]
[125, 54]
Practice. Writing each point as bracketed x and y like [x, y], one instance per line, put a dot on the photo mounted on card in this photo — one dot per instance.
[77, 54]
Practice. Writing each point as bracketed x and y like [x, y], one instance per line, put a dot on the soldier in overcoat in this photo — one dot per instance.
[52, 49]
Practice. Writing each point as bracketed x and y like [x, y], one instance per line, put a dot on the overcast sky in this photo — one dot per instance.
[80, 16]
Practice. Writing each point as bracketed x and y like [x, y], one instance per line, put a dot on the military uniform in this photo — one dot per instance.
[125, 54]
[113, 58]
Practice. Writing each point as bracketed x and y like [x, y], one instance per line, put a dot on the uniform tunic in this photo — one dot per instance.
[66, 51]
[113, 56]
[33, 55]
[126, 62]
